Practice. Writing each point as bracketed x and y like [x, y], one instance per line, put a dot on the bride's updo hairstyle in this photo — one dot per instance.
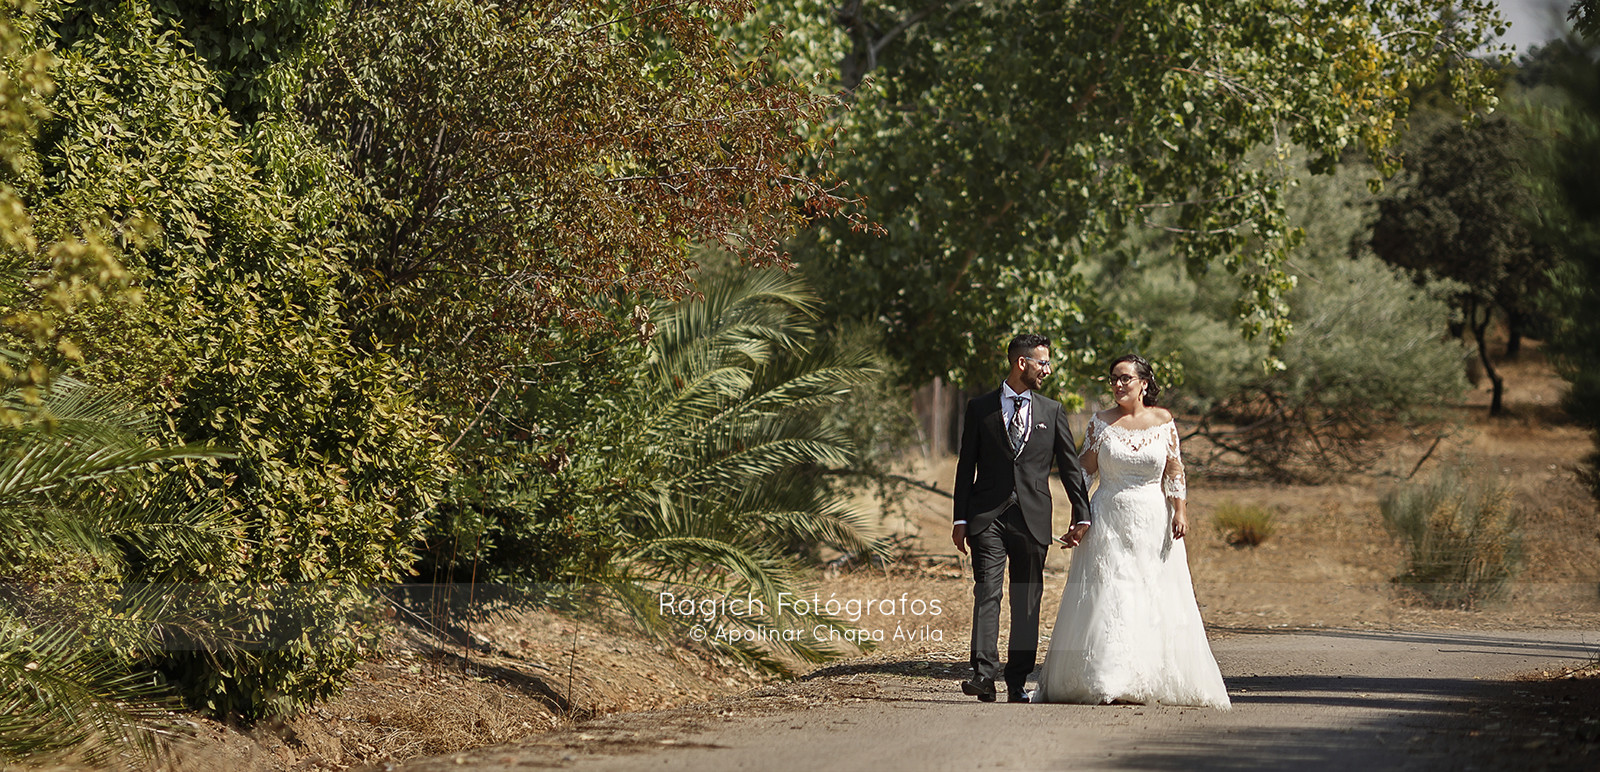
[1141, 368]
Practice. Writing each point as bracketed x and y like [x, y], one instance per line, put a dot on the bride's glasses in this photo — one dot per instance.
[1122, 380]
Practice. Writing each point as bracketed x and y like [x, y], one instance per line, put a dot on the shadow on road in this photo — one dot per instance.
[1453, 641]
[917, 668]
[1401, 694]
[1302, 750]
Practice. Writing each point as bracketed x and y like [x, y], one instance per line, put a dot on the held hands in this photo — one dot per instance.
[958, 534]
[1074, 535]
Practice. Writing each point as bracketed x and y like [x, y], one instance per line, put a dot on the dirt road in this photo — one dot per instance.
[1304, 701]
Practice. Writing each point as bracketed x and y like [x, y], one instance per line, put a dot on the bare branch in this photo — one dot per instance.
[905, 24]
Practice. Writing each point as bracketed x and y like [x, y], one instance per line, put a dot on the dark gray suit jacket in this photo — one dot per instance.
[987, 474]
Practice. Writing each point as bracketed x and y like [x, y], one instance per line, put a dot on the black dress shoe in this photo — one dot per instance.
[982, 688]
[1016, 695]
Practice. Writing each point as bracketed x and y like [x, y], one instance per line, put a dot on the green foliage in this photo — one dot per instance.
[1569, 167]
[337, 293]
[49, 277]
[701, 465]
[528, 180]
[342, 294]
[1245, 525]
[61, 695]
[87, 563]
[1585, 16]
[1000, 144]
[1463, 534]
[1368, 353]
[256, 50]
[229, 240]
[1467, 212]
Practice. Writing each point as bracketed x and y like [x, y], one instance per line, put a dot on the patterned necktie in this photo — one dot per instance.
[1019, 425]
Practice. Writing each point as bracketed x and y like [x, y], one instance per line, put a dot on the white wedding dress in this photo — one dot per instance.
[1129, 628]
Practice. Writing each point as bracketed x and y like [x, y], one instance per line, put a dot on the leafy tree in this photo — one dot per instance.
[47, 277]
[465, 188]
[1585, 15]
[1570, 164]
[1367, 354]
[255, 49]
[331, 292]
[1468, 213]
[515, 162]
[1001, 143]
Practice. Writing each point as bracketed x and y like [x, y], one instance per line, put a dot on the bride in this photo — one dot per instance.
[1128, 629]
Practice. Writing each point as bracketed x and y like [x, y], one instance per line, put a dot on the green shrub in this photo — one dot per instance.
[230, 236]
[1245, 524]
[1462, 534]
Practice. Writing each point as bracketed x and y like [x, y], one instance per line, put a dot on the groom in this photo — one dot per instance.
[1003, 510]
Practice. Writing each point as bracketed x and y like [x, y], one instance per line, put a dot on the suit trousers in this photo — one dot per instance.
[1006, 540]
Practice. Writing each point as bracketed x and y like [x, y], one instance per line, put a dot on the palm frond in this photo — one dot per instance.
[737, 322]
[73, 408]
[713, 485]
[694, 558]
[171, 526]
[47, 464]
[769, 457]
[57, 694]
[78, 483]
[156, 617]
[832, 523]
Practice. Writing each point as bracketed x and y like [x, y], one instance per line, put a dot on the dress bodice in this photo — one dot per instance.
[1135, 458]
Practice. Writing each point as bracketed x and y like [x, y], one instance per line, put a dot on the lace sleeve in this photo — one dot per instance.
[1173, 482]
[1094, 435]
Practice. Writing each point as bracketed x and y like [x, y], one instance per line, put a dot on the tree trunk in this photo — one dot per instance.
[1480, 330]
[1514, 325]
[869, 40]
[857, 61]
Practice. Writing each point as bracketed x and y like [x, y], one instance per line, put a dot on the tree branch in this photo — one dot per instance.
[905, 24]
[909, 482]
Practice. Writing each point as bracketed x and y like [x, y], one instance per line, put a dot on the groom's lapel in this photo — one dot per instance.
[996, 420]
[1036, 421]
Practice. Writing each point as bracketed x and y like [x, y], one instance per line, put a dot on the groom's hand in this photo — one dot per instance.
[958, 534]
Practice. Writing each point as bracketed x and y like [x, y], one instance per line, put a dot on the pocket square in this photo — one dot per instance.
[1041, 426]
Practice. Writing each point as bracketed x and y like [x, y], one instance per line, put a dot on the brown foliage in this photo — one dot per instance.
[520, 166]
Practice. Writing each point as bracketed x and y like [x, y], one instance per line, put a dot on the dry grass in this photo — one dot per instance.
[1245, 525]
[1463, 533]
[521, 674]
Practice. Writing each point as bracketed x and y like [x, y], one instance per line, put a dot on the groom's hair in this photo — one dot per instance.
[1024, 344]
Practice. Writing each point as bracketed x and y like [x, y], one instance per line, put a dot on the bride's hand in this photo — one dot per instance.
[1074, 535]
[1180, 525]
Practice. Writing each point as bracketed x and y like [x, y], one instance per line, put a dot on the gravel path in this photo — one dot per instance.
[1334, 699]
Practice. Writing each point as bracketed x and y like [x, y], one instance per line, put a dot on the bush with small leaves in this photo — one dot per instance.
[1463, 537]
